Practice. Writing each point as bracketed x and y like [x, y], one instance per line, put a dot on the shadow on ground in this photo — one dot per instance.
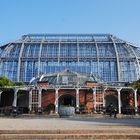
[106, 121]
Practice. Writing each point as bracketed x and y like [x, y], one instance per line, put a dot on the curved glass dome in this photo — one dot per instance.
[103, 55]
[66, 77]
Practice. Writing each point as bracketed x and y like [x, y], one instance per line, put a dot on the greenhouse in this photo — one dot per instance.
[103, 55]
[86, 72]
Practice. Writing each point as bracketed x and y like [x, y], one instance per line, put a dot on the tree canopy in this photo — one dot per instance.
[4, 81]
[136, 84]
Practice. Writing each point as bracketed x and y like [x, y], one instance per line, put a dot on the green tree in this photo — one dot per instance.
[136, 84]
[4, 81]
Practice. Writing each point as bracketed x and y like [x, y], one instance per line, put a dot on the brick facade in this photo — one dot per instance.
[48, 97]
[86, 97]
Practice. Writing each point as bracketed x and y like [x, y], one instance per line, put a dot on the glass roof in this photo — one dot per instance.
[66, 77]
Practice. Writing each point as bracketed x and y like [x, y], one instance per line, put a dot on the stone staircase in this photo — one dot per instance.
[70, 134]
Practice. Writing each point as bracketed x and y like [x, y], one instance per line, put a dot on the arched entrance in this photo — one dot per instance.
[111, 99]
[23, 101]
[67, 100]
[7, 97]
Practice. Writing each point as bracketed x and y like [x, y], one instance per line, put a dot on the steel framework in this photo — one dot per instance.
[107, 57]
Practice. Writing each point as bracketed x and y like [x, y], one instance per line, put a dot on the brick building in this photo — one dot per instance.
[86, 93]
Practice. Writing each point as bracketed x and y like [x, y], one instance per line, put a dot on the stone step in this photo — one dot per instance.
[67, 136]
[70, 134]
[93, 131]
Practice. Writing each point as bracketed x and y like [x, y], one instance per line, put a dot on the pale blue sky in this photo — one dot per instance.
[118, 17]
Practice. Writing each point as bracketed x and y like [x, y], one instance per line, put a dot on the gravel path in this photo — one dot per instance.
[67, 123]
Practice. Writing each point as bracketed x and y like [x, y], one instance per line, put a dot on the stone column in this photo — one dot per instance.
[135, 98]
[94, 99]
[56, 101]
[15, 98]
[39, 98]
[119, 100]
[77, 100]
[30, 100]
[104, 98]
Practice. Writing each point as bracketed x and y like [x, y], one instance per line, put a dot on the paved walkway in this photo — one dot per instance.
[67, 123]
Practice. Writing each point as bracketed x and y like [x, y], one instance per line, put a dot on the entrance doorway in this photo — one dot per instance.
[23, 101]
[7, 98]
[111, 99]
[67, 100]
